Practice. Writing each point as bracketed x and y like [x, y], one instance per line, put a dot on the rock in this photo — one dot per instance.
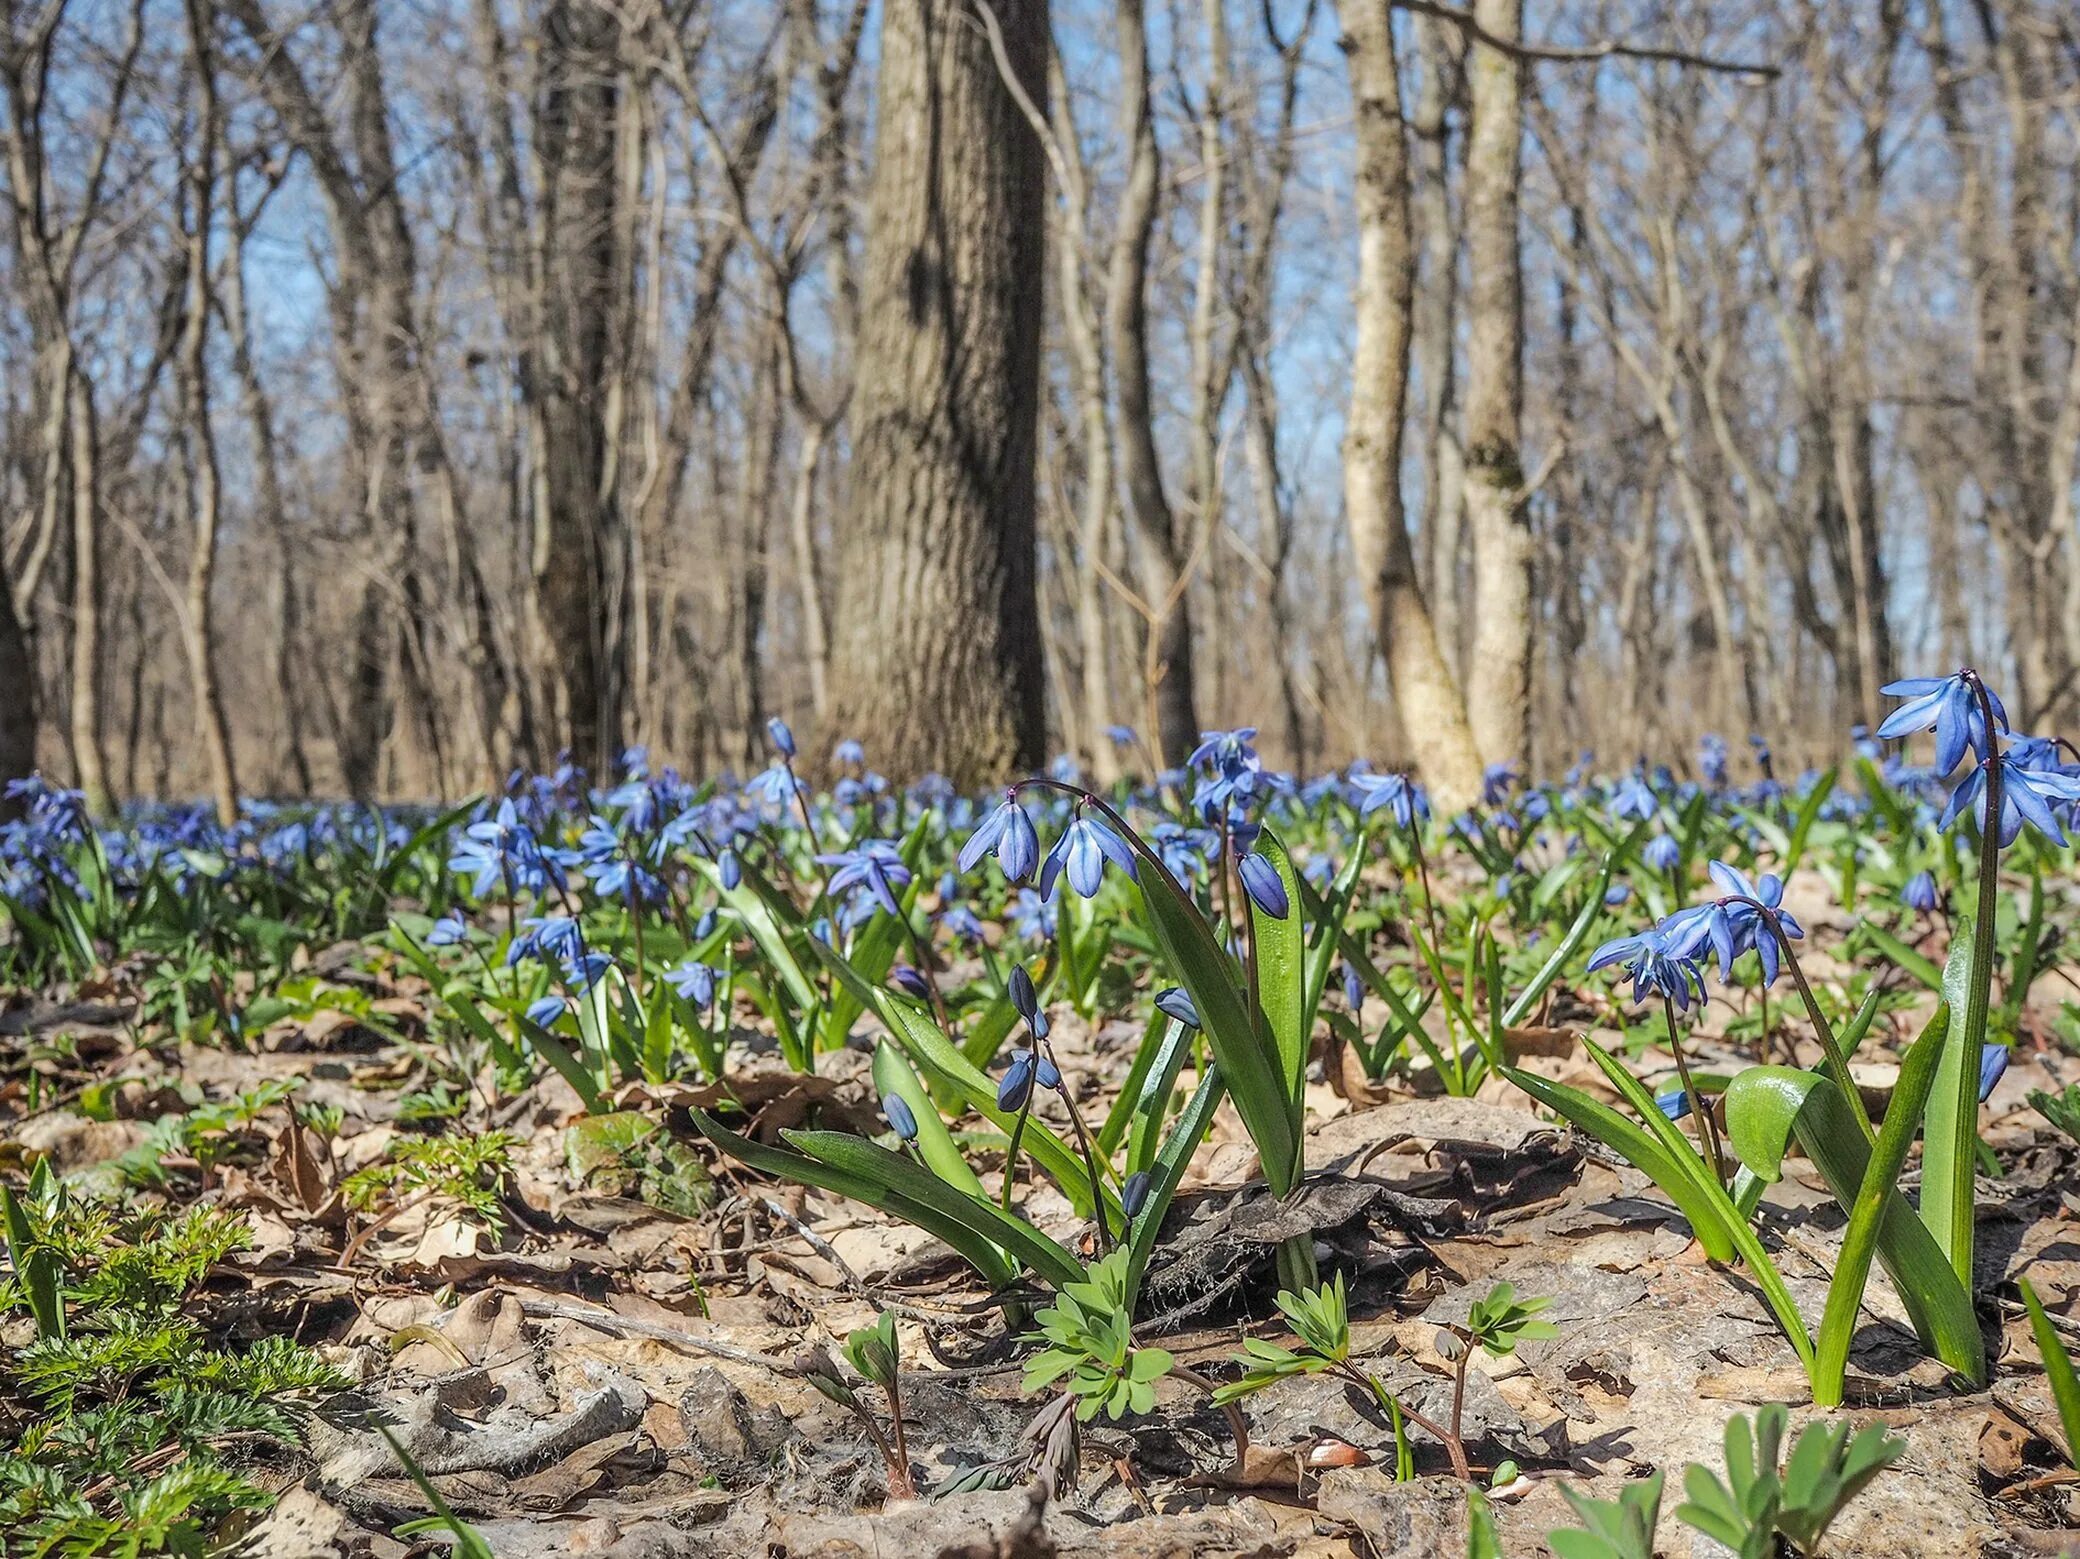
[1425, 1519]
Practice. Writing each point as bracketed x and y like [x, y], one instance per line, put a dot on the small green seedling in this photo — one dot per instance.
[1089, 1338]
[2058, 1370]
[1757, 1503]
[1621, 1528]
[872, 1351]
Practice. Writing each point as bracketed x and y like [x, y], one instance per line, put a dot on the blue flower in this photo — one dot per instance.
[1675, 1104]
[1084, 848]
[1353, 989]
[695, 982]
[962, 923]
[447, 931]
[1016, 1088]
[2027, 795]
[1948, 706]
[905, 978]
[1742, 926]
[1133, 1196]
[730, 870]
[849, 754]
[1120, 735]
[774, 786]
[1046, 1073]
[1395, 791]
[1177, 1003]
[1662, 852]
[1026, 1001]
[1008, 834]
[1653, 967]
[1632, 801]
[899, 1117]
[1993, 1061]
[1226, 750]
[546, 1011]
[1033, 917]
[783, 738]
[875, 866]
[1261, 881]
[1919, 893]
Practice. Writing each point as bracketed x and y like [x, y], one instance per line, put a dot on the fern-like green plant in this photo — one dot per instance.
[1759, 1502]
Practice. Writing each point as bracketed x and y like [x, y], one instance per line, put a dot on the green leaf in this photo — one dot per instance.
[1875, 1197]
[1950, 1151]
[960, 1233]
[1166, 1171]
[869, 1161]
[1919, 965]
[892, 1075]
[1250, 1066]
[1282, 973]
[1765, 1107]
[2058, 1370]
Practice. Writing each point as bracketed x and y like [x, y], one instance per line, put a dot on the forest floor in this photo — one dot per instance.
[606, 1363]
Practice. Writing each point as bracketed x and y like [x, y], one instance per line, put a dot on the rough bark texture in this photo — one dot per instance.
[1432, 711]
[937, 660]
[577, 547]
[1159, 553]
[1498, 683]
[17, 692]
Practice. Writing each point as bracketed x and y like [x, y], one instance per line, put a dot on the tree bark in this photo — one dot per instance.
[1432, 711]
[1159, 550]
[937, 633]
[1499, 674]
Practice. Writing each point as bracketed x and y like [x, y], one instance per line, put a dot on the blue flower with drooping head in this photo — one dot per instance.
[896, 1111]
[1653, 967]
[782, 737]
[874, 866]
[1948, 706]
[1632, 801]
[1993, 1061]
[447, 931]
[849, 754]
[1265, 887]
[1083, 849]
[1025, 1001]
[1016, 1086]
[1008, 834]
[1663, 852]
[1394, 792]
[2027, 795]
[695, 983]
[1177, 1003]
[1919, 893]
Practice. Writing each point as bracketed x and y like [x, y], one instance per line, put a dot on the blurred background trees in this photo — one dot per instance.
[397, 393]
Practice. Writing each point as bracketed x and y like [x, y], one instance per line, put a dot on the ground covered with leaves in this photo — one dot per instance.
[342, 1221]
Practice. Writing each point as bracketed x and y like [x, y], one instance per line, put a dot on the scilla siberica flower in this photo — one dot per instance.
[1948, 706]
[1026, 1001]
[1262, 882]
[2027, 795]
[1176, 1003]
[695, 982]
[1394, 792]
[1654, 967]
[1919, 893]
[1632, 801]
[1662, 852]
[1006, 833]
[899, 1116]
[1083, 849]
[783, 738]
[450, 929]
[874, 866]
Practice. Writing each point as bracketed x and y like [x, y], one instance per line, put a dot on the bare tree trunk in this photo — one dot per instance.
[1435, 351]
[1432, 712]
[1499, 675]
[17, 692]
[936, 640]
[201, 483]
[90, 767]
[576, 545]
[1162, 574]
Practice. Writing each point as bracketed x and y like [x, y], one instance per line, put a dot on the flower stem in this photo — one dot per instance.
[1707, 1128]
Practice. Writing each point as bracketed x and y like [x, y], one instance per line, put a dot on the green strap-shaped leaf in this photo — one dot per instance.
[1766, 1106]
[751, 900]
[1165, 1172]
[1325, 914]
[1562, 955]
[1626, 1137]
[1282, 971]
[1950, 1144]
[871, 1162]
[977, 1249]
[2058, 1370]
[1248, 1063]
[941, 1154]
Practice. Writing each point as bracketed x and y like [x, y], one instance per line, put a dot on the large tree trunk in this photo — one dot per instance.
[577, 546]
[17, 691]
[201, 484]
[937, 634]
[1499, 674]
[1432, 712]
[1167, 661]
